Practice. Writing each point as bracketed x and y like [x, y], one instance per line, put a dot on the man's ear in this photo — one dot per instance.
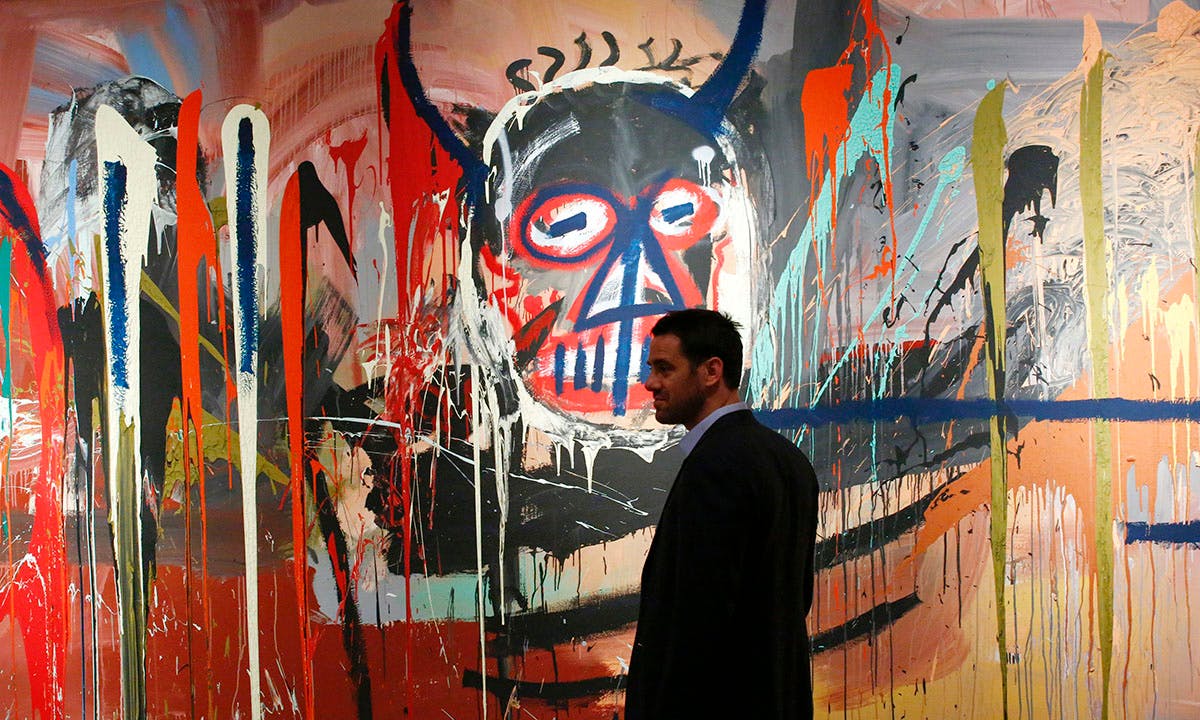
[712, 371]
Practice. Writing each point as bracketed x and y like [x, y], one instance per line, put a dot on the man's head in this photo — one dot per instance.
[695, 364]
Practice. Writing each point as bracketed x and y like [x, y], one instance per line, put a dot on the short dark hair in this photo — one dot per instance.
[705, 334]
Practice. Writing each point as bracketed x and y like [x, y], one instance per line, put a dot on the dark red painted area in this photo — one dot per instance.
[442, 654]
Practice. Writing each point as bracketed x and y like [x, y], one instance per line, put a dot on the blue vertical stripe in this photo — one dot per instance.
[598, 366]
[560, 363]
[116, 179]
[630, 283]
[644, 371]
[247, 245]
[580, 367]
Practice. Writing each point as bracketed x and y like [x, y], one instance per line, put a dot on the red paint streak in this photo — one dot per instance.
[824, 103]
[348, 153]
[719, 249]
[826, 106]
[871, 351]
[887, 263]
[873, 37]
[197, 248]
[291, 308]
[418, 170]
[533, 330]
[40, 605]
[505, 282]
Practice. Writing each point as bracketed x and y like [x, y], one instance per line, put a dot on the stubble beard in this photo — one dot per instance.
[682, 411]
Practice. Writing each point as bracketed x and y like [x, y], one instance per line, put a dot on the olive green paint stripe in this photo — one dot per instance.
[131, 571]
[159, 298]
[125, 521]
[987, 159]
[1096, 283]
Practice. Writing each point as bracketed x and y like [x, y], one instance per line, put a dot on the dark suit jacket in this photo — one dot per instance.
[728, 583]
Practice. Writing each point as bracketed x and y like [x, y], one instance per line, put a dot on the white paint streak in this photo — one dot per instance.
[379, 356]
[117, 142]
[475, 420]
[703, 156]
[247, 380]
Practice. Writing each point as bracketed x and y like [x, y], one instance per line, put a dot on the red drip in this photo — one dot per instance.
[291, 304]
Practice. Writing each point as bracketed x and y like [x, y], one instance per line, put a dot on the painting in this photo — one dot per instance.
[326, 324]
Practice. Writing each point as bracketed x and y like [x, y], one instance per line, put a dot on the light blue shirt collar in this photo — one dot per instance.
[693, 436]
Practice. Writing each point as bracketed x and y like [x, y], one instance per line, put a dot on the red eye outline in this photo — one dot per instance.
[682, 213]
[564, 225]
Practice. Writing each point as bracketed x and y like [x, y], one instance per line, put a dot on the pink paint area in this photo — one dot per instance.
[1134, 11]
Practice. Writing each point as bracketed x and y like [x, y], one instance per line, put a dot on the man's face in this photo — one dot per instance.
[674, 383]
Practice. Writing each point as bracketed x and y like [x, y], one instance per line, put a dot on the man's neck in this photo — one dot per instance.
[712, 403]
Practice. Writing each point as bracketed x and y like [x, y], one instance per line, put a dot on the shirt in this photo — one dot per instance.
[693, 436]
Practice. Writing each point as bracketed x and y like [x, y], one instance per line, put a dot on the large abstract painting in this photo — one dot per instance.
[325, 325]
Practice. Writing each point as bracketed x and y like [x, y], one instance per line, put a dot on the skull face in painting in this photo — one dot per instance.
[604, 212]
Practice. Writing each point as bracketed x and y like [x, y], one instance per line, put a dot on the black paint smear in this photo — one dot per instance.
[84, 341]
[1032, 170]
[669, 61]
[150, 109]
[385, 92]
[628, 492]
[585, 51]
[698, 258]
[352, 636]
[869, 537]
[557, 59]
[958, 284]
[869, 623]
[553, 691]
[547, 629]
[532, 336]
[317, 206]
[900, 93]
[513, 73]
[646, 48]
[614, 52]
[161, 386]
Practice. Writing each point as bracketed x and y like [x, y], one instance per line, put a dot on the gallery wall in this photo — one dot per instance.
[326, 325]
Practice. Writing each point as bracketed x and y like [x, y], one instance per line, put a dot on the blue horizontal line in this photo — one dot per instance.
[1170, 532]
[933, 410]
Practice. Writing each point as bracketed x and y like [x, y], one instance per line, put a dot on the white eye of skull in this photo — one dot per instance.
[674, 210]
[683, 213]
[567, 227]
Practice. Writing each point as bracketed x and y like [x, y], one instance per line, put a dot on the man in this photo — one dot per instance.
[728, 580]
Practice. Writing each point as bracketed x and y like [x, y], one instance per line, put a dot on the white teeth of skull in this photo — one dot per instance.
[579, 362]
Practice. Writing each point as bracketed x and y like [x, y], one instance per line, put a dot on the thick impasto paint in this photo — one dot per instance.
[326, 323]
